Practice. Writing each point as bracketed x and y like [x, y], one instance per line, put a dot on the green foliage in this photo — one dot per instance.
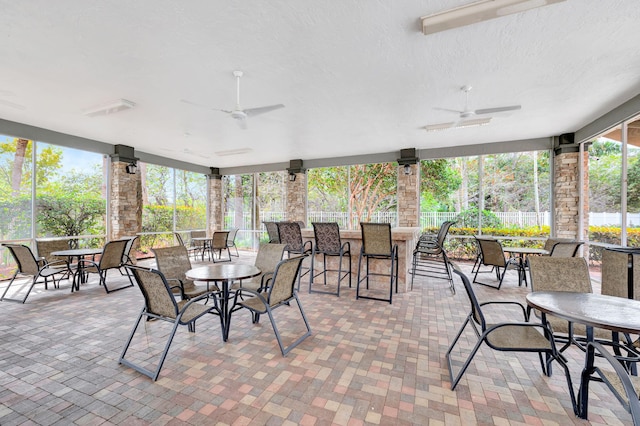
[469, 219]
[439, 180]
[68, 214]
[157, 218]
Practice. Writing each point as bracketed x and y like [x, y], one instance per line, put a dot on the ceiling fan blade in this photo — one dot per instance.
[449, 110]
[498, 109]
[204, 106]
[261, 110]
[12, 104]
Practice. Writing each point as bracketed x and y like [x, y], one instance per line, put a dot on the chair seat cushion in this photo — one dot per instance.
[255, 304]
[516, 337]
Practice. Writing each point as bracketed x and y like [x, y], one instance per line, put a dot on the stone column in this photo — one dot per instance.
[296, 198]
[567, 194]
[215, 207]
[125, 202]
[408, 193]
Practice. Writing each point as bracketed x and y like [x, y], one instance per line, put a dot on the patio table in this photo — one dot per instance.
[79, 254]
[225, 274]
[616, 314]
[522, 253]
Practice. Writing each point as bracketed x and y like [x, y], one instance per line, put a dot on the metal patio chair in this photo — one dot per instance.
[111, 258]
[160, 304]
[377, 246]
[516, 336]
[231, 241]
[430, 258]
[328, 244]
[174, 262]
[29, 266]
[492, 255]
[280, 292]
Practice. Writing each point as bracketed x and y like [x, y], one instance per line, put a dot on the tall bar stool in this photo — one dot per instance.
[377, 246]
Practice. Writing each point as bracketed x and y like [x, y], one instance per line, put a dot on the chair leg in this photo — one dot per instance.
[359, 269]
[456, 379]
[152, 374]
[283, 349]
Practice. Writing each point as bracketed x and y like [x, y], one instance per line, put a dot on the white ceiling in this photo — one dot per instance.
[356, 76]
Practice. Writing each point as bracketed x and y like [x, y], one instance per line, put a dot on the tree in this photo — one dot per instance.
[372, 188]
[439, 181]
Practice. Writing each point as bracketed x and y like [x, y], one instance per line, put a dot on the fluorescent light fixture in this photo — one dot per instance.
[238, 151]
[459, 125]
[109, 108]
[477, 11]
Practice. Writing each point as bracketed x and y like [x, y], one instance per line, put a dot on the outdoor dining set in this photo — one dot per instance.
[561, 307]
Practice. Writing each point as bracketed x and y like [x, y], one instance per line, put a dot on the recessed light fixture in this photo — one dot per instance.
[109, 108]
[477, 11]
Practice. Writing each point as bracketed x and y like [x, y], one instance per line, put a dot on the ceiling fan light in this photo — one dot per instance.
[437, 127]
[474, 122]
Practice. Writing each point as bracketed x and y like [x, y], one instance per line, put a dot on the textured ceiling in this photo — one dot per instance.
[356, 77]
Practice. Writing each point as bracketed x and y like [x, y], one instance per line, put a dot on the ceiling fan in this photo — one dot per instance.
[467, 117]
[240, 114]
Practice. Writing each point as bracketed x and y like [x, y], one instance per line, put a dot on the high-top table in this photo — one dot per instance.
[616, 314]
[224, 274]
[79, 254]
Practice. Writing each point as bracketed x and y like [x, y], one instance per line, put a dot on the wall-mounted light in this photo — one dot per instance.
[131, 168]
[295, 166]
[408, 157]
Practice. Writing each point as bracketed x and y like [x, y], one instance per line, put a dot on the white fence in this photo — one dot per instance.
[434, 219]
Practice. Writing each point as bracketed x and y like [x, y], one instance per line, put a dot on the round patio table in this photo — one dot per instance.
[224, 274]
[79, 254]
[522, 252]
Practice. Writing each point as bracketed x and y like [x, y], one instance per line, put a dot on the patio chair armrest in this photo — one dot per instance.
[56, 262]
[252, 292]
[180, 286]
[507, 302]
[346, 247]
[210, 294]
[264, 281]
[307, 247]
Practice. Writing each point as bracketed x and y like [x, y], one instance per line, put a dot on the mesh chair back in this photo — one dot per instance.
[376, 239]
[327, 235]
[112, 254]
[179, 238]
[284, 280]
[291, 235]
[272, 230]
[231, 238]
[157, 294]
[565, 249]
[46, 247]
[24, 258]
[268, 257]
[174, 262]
[491, 250]
[127, 248]
[219, 240]
[444, 230]
[560, 274]
[476, 310]
[550, 242]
